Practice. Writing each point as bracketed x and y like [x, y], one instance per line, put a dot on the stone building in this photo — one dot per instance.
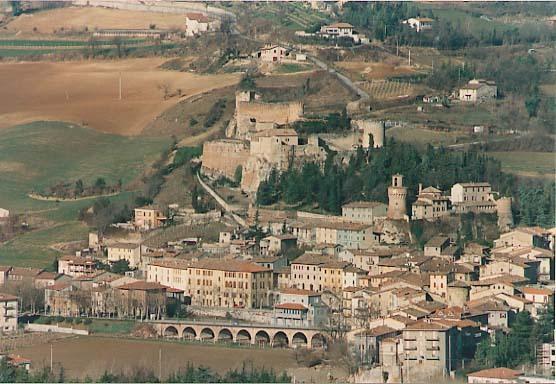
[272, 53]
[140, 299]
[478, 90]
[397, 196]
[277, 149]
[8, 314]
[197, 23]
[76, 265]
[430, 204]
[148, 217]
[430, 349]
[365, 212]
[253, 115]
[473, 197]
[130, 252]
[370, 131]
[223, 157]
[217, 283]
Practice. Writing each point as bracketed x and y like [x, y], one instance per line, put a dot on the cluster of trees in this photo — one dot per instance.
[368, 175]
[448, 76]
[381, 19]
[215, 113]
[189, 374]
[78, 189]
[536, 204]
[519, 345]
[334, 122]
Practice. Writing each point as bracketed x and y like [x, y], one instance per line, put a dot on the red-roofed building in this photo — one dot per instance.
[499, 375]
[141, 299]
[197, 23]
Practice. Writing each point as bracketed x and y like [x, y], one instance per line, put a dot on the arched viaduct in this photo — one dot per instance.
[254, 334]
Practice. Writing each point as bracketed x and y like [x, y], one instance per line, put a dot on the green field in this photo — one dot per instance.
[63, 43]
[423, 137]
[38, 155]
[534, 164]
[292, 68]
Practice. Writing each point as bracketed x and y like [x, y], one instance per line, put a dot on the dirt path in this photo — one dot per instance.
[60, 199]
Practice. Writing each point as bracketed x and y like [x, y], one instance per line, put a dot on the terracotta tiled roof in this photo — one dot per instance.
[437, 241]
[48, 275]
[21, 271]
[496, 373]
[143, 286]
[229, 266]
[363, 204]
[7, 297]
[377, 331]
[537, 291]
[293, 306]
[124, 245]
[171, 263]
[201, 18]
[340, 25]
[312, 259]
[427, 326]
[58, 286]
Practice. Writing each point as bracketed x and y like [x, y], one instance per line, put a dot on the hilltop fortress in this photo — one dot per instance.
[253, 115]
[257, 145]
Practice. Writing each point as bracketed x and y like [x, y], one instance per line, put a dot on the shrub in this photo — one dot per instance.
[77, 320]
[59, 319]
[87, 321]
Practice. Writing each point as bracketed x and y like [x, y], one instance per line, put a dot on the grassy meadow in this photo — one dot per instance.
[37, 155]
[532, 164]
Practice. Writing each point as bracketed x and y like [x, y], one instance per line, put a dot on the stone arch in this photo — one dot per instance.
[280, 340]
[243, 336]
[225, 335]
[299, 339]
[318, 341]
[262, 338]
[189, 333]
[171, 331]
[206, 334]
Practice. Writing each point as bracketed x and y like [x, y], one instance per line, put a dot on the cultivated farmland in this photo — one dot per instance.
[88, 19]
[87, 92]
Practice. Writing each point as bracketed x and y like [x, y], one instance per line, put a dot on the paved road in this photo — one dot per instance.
[225, 206]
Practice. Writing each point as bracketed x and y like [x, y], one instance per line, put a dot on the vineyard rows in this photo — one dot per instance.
[384, 89]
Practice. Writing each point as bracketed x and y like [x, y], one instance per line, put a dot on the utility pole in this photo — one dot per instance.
[120, 86]
[397, 46]
[51, 358]
[409, 58]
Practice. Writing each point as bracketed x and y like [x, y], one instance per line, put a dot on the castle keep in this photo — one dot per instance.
[256, 144]
[253, 115]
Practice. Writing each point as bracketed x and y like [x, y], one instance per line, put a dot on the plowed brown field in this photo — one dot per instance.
[87, 92]
[77, 19]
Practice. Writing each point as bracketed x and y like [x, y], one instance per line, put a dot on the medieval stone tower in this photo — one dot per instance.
[505, 218]
[374, 129]
[397, 195]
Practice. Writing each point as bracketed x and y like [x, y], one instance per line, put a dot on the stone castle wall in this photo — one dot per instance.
[222, 157]
[253, 115]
